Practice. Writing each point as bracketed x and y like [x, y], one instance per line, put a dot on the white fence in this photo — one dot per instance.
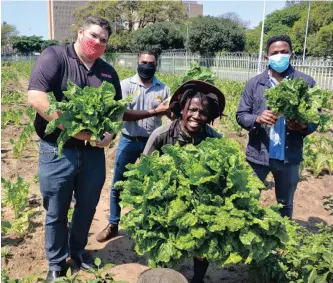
[238, 66]
[233, 66]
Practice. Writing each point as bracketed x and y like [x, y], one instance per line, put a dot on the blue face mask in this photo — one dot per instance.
[279, 62]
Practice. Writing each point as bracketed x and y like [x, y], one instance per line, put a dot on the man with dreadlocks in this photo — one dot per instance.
[195, 103]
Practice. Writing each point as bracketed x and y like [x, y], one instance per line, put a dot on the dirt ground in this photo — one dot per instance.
[27, 255]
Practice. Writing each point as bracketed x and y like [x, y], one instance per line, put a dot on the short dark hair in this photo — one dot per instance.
[283, 37]
[103, 23]
[211, 98]
[149, 52]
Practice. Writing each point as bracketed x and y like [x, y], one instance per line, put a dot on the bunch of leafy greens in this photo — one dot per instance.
[195, 73]
[199, 201]
[311, 260]
[89, 109]
[295, 100]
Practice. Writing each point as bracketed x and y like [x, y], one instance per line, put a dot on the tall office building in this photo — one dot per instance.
[61, 19]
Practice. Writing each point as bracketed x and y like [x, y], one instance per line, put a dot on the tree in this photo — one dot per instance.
[7, 34]
[27, 44]
[321, 15]
[290, 3]
[235, 18]
[283, 18]
[120, 42]
[48, 43]
[132, 13]
[252, 43]
[159, 36]
[321, 44]
[292, 21]
[160, 11]
[209, 35]
[105, 9]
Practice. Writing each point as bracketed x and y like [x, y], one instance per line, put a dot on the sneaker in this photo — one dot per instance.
[107, 233]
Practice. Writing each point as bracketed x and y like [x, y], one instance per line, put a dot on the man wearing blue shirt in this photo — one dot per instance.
[275, 143]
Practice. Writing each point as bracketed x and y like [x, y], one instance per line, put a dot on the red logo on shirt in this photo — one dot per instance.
[106, 75]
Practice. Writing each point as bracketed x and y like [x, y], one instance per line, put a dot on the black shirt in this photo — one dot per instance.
[173, 133]
[53, 68]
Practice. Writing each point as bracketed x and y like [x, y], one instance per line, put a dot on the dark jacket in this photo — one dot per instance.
[252, 104]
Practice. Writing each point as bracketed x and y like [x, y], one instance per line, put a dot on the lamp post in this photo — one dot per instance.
[262, 36]
[306, 30]
[188, 5]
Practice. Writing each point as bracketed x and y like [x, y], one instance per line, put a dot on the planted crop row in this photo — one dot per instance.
[11, 116]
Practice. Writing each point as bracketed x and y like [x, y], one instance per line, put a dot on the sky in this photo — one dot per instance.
[31, 17]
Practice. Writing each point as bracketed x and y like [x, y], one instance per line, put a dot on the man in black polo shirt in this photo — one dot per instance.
[81, 169]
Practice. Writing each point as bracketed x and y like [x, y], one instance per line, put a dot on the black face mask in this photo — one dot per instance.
[146, 71]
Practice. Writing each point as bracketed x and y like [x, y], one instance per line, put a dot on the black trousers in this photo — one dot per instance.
[200, 269]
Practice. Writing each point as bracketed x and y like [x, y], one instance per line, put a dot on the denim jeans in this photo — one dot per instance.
[80, 171]
[128, 152]
[286, 177]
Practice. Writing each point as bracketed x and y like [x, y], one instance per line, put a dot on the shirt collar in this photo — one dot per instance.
[273, 81]
[71, 51]
[264, 77]
[136, 79]
[183, 137]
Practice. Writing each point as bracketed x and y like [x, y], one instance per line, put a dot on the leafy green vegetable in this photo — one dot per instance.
[295, 100]
[198, 73]
[194, 73]
[16, 194]
[318, 154]
[199, 201]
[89, 109]
[310, 260]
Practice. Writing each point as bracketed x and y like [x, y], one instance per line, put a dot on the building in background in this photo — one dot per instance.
[61, 19]
[193, 9]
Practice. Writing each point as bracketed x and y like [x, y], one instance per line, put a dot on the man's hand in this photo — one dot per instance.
[267, 117]
[106, 141]
[295, 125]
[163, 107]
[83, 136]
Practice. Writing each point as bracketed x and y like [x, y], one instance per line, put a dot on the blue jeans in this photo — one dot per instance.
[80, 171]
[286, 177]
[128, 152]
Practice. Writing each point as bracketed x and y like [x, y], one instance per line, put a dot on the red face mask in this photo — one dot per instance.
[91, 48]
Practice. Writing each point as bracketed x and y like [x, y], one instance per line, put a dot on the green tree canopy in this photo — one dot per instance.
[321, 43]
[7, 33]
[159, 36]
[209, 35]
[120, 42]
[133, 13]
[321, 15]
[27, 44]
[252, 43]
[235, 18]
[291, 20]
